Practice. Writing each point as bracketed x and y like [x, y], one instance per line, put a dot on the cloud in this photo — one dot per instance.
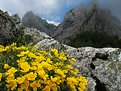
[113, 5]
[53, 22]
[44, 7]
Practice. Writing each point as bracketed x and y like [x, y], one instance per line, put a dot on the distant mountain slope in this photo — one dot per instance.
[87, 18]
[31, 20]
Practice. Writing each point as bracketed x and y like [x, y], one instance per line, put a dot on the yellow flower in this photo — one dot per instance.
[46, 82]
[20, 80]
[24, 66]
[73, 72]
[31, 76]
[23, 48]
[21, 54]
[54, 79]
[35, 63]
[11, 71]
[40, 58]
[25, 85]
[82, 82]
[32, 55]
[82, 86]
[82, 78]
[62, 56]
[55, 51]
[35, 47]
[6, 66]
[33, 68]
[46, 65]
[48, 60]
[10, 77]
[69, 67]
[11, 84]
[47, 88]
[60, 72]
[2, 49]
[20, 89]
[13, 45]
[44, 52]
[80, 89]
[58, 64]
[72, 60]
[73, 88]
[72, 81]
[53, 87]
[0, 76]
[42, 74]
[21, 60]
[35, 85]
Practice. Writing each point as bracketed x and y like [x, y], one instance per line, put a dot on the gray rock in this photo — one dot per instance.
[105, 70]
[7, 27]
[101, 66]
[17, 20]
[36, 34]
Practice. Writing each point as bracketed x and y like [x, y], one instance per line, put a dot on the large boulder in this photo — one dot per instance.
[101, 66]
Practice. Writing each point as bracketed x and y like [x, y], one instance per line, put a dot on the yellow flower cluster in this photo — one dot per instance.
[41, 70]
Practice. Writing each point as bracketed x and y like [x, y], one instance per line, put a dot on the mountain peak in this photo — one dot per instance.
[31, 20]
[92, 18]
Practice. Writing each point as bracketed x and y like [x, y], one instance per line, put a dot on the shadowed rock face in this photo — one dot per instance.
[87, 18]
[30, 20]
[8, 26]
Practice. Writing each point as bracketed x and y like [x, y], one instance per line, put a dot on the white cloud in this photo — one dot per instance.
[53, 22]
[43, 7]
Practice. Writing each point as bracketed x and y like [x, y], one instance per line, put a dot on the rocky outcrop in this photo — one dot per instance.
[102, 66]
[31, 20]
[41, 39]
[8, 27]
[87, 18]
[17, 20]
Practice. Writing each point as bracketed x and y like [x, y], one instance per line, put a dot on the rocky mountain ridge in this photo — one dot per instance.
[31, 20]
[91, 18]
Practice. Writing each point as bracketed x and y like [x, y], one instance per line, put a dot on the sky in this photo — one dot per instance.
[54, 10]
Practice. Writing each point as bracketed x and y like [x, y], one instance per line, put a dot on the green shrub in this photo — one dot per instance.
[95, 39]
